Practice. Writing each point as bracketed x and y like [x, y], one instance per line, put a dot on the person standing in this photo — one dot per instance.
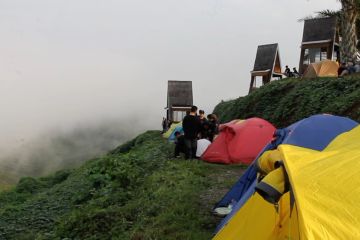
[169, 122]
[204, 124]
[202, 116]
[191, 126]
[164, 125]
[213, 126]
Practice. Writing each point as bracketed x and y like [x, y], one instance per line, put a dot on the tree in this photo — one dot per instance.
[348, 17]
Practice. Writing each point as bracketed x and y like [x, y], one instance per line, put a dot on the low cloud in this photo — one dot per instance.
[58, 150]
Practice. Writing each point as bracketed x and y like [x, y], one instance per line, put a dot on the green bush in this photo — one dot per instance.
[287, 101]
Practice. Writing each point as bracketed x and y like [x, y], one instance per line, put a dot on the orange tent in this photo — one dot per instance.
[326, 68]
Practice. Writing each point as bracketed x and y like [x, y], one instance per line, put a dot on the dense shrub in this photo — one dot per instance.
[286, 101]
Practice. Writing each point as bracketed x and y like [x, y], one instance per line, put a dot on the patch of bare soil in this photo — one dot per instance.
[221, 179]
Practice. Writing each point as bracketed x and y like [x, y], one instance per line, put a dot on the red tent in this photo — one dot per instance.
[239, 141]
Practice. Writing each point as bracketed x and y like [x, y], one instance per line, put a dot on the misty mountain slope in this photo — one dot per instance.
[289, 100]
[57, 150]
[135, 192]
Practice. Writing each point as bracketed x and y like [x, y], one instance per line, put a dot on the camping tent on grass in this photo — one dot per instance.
[321, 202]
[179, 129]
[315, 132]
[172, 129]
[239, 141]
[324, 68]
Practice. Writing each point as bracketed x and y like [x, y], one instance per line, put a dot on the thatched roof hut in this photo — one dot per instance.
[179, 99]
[320, 41]
[267, 64]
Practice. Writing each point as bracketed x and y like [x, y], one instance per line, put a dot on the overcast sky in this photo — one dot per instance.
[65, 63]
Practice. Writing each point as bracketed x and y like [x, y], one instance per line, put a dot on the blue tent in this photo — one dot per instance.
[317, 131]
[177, 129]
[314, 132]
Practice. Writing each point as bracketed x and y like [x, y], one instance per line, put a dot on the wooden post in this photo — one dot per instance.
[251, 83]
[266, 78]
[301, 63]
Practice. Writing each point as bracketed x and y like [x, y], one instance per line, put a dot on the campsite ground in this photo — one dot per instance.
[221, 178]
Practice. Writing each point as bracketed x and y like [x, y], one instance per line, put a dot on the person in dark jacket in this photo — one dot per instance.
[179, 144]
[164, 125]
[202, 117]
[213, 126]
[204, 124]
[169, 122]
[295, 72]
[191, 126]
[288, 72]
[205, 131]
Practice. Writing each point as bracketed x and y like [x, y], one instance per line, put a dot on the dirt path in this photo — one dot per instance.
[221, 179]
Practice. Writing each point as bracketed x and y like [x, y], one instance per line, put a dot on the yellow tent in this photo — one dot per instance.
[324, 68]
[171, 129]
[326, 188]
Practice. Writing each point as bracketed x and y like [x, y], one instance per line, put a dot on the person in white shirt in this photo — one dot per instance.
[202, 145]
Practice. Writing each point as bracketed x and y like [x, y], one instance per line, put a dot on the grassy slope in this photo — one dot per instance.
[139, 192]
[289, 100]
[135, 192]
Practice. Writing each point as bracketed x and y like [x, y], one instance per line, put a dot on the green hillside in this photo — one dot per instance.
[289, 100]
[135, 192]
[138, 191]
